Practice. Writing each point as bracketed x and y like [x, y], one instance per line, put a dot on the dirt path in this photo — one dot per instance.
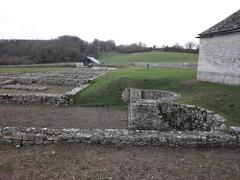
[82, 161]
[66, 117]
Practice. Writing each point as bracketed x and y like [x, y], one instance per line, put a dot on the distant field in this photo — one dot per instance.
[28, 69]
[120, 58]
[106, 90]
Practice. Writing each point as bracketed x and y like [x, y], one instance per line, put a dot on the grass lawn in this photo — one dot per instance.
[28, 69]
[106, 90]
[121, 58]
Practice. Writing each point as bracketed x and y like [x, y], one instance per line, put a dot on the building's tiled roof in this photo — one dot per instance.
[228, 25]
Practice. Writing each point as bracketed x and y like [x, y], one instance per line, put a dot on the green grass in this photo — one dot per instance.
[28, 69]
[106, 90]
[120, 58]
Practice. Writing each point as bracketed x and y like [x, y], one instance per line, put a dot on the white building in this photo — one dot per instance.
[219, 53]
[90, 61]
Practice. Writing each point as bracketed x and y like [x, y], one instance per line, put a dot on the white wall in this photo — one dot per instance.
[219, 59]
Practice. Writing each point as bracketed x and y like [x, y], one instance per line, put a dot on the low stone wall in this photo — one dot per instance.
[80, 77]
[23, 87]
[167, 116]
[136, 94]
[42, 136]
[55, 81]
[153, 110]
[162, 123]
[72, 77]
[166, 65]
[70, 64]
[7, 82]
[42, 98]
[36, 98]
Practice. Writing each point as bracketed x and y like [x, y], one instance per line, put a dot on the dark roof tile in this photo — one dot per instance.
[228, 25]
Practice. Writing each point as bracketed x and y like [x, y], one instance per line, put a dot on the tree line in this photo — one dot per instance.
[62, 49]
[66, 49]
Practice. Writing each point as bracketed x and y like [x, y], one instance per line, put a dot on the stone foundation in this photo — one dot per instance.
[42, 136]
[30, 82]
[37, 98]
[166, 116]
[132, 95]
[54, 81]
[41, 98]
[161, 123]
[152, 110]
[23, 87]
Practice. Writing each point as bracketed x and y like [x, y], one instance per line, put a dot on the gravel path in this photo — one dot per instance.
[65, 117]
[82, 161]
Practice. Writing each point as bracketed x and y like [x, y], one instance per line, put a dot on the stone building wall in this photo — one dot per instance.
[219, 59]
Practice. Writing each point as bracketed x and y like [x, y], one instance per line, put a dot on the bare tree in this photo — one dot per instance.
[190, 45]
[177, 46]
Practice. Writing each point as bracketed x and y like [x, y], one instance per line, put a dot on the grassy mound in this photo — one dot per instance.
[106, 90]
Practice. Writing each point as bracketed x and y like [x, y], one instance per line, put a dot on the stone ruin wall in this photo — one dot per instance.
[28, 81]
[42, 136]
[171, 135]
[56, 80]
[152, 110]
[36, 98]
[42, 98]
[23, 87]
[131, 95]
[219, 59]
[168, 116]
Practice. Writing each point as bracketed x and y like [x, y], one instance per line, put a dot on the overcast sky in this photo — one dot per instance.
[154, 22]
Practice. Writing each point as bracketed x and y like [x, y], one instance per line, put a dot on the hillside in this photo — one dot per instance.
[121, 58]
[106, 90]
